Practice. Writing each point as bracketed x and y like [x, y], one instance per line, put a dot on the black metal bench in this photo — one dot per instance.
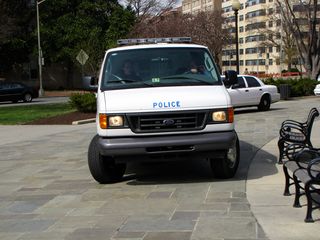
[292, 131]
[304, 166]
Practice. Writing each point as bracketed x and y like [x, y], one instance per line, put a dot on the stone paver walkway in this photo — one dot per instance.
[46, 190]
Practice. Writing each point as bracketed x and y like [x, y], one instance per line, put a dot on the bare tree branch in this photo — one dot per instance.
[302, 23]
[148, 8]
[204, 28]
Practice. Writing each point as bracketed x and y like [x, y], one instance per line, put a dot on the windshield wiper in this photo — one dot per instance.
[122, 81]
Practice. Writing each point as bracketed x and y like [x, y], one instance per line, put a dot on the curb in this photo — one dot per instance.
[80, 122]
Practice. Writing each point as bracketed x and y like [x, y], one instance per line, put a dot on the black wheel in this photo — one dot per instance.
[27, 97]
[264, 104]
[14, 101]
[227, 165]
[103, 168]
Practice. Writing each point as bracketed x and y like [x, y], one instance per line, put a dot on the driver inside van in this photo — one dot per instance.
[128, 72]
[198, 69]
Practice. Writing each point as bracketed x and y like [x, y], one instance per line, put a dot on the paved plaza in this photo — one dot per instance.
[47, 192]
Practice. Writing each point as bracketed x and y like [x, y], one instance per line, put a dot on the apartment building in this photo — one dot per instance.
[195, 6]
[256, 18]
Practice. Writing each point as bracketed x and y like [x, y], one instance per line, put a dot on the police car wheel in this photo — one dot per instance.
[103, 168]
[226, 166]
[264, 104]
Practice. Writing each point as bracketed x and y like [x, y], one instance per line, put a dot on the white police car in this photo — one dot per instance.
[317, 88]
[158, 98]
[250, 91]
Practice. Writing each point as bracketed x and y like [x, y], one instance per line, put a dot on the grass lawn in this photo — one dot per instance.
[27, 113]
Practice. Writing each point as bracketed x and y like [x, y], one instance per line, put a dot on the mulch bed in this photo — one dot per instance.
[65, 119]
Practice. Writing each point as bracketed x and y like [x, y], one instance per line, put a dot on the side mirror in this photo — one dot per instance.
[231, 77]
[90, 83]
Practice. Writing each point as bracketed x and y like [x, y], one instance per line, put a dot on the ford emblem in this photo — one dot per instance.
[168, 122]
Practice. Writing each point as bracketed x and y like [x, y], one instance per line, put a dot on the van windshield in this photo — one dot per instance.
[157, 67]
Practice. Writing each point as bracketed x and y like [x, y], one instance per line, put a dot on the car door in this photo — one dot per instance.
[238, 93]
[5, 94]
[2, 92]
[255, 90]
[17, 90]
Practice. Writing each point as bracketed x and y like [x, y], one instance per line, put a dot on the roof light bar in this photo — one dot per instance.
[135, 41]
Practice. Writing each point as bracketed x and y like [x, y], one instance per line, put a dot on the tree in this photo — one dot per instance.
[204, 28]
[282, 40]
[91, 25]
[147, 8]
[300, 17]
[15, 37]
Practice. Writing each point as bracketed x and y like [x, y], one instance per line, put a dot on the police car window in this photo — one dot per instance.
[241, 83]
[252, 82]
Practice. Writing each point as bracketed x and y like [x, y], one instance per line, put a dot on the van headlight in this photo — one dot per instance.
[222, 116]
[219, 116]
[115, 121]
[111, 121]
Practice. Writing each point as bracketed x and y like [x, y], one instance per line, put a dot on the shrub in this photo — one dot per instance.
[299, 87]
[84, 102]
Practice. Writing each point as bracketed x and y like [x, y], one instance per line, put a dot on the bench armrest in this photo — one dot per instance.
[306, 156]
[314, 169]
[293, 149]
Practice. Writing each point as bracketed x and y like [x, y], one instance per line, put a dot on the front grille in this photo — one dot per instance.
[162, 122]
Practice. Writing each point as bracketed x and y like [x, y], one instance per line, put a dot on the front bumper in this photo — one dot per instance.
[169, 144]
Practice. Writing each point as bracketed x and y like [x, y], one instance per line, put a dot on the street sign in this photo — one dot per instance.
[82, 57]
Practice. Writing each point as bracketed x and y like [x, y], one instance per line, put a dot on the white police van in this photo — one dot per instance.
[161, 98]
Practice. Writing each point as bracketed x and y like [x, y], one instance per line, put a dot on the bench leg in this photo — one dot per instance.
[296, 203]
[308, 218]
[281, 150]
[287, 181]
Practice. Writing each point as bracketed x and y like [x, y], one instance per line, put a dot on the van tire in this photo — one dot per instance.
[227, 165]
[103, 168]
[265, 103]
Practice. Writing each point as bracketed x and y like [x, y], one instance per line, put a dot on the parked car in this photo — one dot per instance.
[15, 91]
[251, 91]
[317, 88]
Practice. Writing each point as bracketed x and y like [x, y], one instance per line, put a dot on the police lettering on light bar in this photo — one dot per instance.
[153, 40]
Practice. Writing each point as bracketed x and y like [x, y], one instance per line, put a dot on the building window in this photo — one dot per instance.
[270, 62]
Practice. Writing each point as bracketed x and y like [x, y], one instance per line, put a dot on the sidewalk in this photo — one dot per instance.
[273, 211]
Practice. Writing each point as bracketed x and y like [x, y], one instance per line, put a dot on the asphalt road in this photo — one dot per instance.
[47, 192]
[42, 100]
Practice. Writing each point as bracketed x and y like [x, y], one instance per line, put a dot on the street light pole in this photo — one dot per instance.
[41, 92]
[236, 7]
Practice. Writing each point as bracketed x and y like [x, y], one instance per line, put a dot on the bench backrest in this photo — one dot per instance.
[311, 117]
